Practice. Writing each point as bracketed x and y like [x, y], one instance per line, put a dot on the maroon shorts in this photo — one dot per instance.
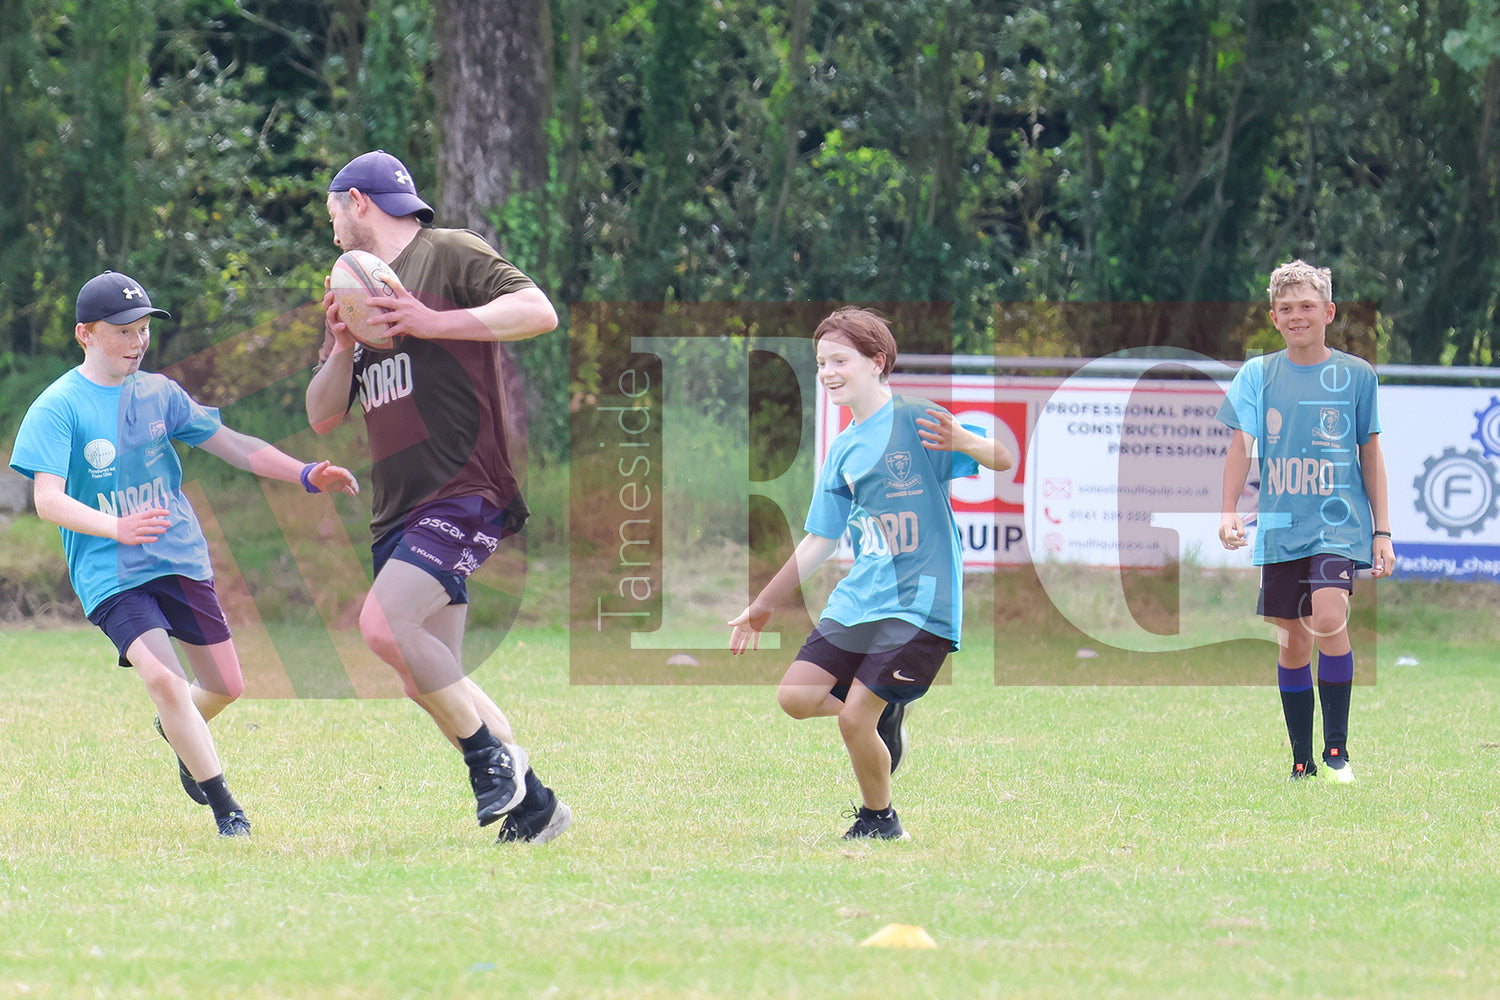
[450, 539]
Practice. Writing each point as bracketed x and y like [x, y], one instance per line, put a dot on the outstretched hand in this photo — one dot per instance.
[939, 430]
[747, 626]
[142, 526]
[330, 478]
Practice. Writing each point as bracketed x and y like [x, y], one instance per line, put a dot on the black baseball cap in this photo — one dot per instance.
[115, 298]
[387, 181]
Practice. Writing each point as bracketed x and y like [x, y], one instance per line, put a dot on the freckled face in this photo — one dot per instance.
[115, 352]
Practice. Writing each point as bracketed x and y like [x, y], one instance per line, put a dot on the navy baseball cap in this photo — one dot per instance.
[387, 181]
[115, 298]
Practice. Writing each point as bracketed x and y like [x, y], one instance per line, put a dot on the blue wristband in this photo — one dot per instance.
[308, 486]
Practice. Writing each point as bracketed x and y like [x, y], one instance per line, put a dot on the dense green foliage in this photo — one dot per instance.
[953, 151]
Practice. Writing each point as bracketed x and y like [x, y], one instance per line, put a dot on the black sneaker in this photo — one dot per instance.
[1301, 770]
[538, 819]
[892, 731]
[495, 775]
[871, 825]
[233, 824]
[189, 783]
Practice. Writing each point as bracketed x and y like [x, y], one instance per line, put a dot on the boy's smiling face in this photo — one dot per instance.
[1301, 316]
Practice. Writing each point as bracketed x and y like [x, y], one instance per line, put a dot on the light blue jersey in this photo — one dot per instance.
[890, 492]
[1309, 421]
[112, 446]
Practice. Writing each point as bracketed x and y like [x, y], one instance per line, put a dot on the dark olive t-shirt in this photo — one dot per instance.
[435, 410]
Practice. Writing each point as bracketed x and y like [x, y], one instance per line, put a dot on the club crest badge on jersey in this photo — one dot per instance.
[899, 465]
[1329, 421]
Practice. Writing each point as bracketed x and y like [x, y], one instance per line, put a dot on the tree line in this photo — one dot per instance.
[976, 153]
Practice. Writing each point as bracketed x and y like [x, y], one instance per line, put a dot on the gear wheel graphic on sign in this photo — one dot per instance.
[1488, 434]
[1457, 491]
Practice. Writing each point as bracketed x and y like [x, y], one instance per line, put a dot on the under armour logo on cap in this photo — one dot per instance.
[385, 181]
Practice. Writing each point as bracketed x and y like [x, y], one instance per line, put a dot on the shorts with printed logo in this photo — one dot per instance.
[1286, 588]
[450, 539]
[896, 660]
[187, 610]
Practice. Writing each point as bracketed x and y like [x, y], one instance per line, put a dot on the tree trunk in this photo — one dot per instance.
[494, 78]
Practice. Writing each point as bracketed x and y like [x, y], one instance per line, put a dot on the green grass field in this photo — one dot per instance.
[1067, 841]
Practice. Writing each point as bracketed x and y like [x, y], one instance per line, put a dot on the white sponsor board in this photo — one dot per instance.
[1125, 472]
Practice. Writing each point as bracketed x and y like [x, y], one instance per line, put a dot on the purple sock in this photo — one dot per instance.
[1295, 678]
[1336, 669]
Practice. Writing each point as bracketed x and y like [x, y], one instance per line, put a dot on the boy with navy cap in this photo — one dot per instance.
[97, 444]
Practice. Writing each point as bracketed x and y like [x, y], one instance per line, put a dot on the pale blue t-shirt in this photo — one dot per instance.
[1309, 421]
[112, 446]
[890, 493]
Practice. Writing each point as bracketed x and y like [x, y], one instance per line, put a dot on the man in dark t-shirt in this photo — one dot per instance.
[445, 487]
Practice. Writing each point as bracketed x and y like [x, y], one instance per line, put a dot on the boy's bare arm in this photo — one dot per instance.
[1372, 468]
[254, 455]
[1236, 471]
[53, 504]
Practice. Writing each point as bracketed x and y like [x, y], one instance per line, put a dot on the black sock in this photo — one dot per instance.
[1335, 699]
[885, 813]
[219, 798]
[538, 795]
[1297, 707]
[1335, 684]
[479, 741]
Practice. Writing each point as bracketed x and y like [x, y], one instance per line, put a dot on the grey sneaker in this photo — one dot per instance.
[233, 824]
[892, 731]
[873, 826]
[495, 774]
[189, 783]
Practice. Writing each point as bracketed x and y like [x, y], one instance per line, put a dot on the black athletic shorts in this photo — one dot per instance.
[895, 659]
[1286, 588]
[187, 610]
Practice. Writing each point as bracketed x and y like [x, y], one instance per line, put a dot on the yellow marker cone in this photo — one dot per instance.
[899, 936]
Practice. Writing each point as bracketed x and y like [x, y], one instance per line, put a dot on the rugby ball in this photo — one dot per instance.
[359, 276]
